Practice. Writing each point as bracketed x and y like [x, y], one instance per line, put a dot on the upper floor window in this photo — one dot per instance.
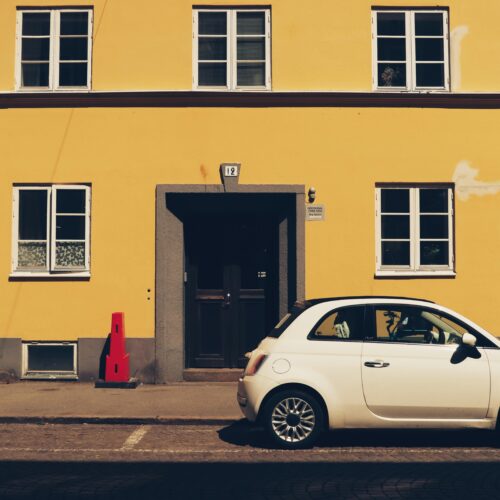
[410, 50]
[414, 228]
[232, 49]
[51, 229]
[54, 49]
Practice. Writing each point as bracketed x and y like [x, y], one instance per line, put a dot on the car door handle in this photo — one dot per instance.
[376, 364]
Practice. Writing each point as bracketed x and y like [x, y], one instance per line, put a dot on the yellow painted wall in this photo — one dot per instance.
[343, 152]
[125, 153]
[320, 45]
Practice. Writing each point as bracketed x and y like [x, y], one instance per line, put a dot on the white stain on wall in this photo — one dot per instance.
[456, 37]
[466, 183]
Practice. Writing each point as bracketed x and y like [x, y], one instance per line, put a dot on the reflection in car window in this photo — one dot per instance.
[416, 325]
[342, 324]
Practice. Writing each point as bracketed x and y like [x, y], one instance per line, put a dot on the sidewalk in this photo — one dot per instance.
[76, 402]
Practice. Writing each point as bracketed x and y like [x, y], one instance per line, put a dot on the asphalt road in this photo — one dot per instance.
[183, 462]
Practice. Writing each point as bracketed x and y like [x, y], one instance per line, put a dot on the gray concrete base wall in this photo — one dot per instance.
[91, 358]
[10, 355]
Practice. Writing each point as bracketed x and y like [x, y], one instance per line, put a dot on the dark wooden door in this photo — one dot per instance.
[231, 288]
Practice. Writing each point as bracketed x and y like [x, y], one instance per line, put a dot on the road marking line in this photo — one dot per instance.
[135, 437]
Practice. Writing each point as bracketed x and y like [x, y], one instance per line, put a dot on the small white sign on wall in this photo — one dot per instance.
[315, 212]
[230, 170]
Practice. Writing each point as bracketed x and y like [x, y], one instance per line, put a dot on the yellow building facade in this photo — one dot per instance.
[162, 159]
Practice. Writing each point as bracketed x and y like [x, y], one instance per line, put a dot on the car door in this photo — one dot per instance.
[414, 366]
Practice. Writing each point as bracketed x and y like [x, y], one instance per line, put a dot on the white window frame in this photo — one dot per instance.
[49, 374]
[410, 37]
[415, 268]
[51, 269]
[231, 61]
[54, 61]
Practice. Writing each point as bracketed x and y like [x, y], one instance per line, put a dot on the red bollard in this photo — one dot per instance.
[117, 371]
[117, 361]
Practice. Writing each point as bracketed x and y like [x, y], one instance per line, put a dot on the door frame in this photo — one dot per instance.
[169, 272]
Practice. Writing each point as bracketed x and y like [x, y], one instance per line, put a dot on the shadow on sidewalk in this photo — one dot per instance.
[243, 433]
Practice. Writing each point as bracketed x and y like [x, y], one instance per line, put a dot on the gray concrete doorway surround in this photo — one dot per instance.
[170, 251]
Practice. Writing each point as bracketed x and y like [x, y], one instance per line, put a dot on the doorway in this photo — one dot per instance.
[228, 265]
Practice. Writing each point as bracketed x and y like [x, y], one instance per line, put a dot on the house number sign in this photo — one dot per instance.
[230, 170]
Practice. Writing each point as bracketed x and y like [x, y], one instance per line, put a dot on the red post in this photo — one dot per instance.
[117, 361]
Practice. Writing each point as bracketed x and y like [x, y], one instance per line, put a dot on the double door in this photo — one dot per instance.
[231, 287]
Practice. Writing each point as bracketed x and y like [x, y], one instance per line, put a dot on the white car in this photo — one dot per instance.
[371, 362]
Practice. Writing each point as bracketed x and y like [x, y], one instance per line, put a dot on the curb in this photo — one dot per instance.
[122, 420]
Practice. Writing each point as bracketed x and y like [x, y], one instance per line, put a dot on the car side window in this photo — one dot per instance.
[415, 325]
[346, 323]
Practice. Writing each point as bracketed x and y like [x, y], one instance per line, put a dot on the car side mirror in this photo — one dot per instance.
[468, 339]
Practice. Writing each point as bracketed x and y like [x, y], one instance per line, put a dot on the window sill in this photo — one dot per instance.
[438, 273]
[54, 276]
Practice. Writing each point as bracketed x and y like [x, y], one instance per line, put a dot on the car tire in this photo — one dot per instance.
[293, 419]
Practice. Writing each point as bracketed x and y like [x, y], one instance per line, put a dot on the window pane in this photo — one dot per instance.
[73, 74]
[430, 75]
[73, 49]
[74, 23]
[391, 23]
[35, 75]
[391, 49]
[428, 24]
[433, 226]
[32, 255]
[70, 227]
[212, 23]
[251, 74]
[429, 49]
[36, 24]
[35, 49]
[434, 253]
[70, 201]
[433, 200]
[395, 200]
[70, 254]
[251, 49]
[395, 253]
[391, 75]
[212, 74]
[212, 49]
[395, 226]
[50, 358]
[32, 214]
[397, 324]
[344, 324]
[251, 23]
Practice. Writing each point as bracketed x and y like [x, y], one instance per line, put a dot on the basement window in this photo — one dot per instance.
[50, 360]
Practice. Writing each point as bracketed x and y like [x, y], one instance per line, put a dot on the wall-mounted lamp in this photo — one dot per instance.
[311, 194]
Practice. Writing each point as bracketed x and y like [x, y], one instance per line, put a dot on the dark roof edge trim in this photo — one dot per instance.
[195, 99]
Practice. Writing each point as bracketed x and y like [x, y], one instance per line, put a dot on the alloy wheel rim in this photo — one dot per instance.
[293, 420]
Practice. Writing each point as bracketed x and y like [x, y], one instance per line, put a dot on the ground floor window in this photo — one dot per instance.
[51, 229]
[49, 360]
[414, 229]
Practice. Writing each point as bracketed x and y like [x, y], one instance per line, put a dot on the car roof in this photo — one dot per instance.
[305, 304]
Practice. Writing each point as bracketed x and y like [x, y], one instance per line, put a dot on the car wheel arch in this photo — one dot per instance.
[299, 387]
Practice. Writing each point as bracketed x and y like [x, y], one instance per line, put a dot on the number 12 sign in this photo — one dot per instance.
[230, 170]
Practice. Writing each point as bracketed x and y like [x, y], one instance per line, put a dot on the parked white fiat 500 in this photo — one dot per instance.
[368, 362]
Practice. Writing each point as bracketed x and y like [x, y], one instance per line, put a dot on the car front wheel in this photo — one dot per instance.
[293, 419]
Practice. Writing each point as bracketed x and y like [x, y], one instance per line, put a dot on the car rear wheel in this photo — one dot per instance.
[293, 419]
